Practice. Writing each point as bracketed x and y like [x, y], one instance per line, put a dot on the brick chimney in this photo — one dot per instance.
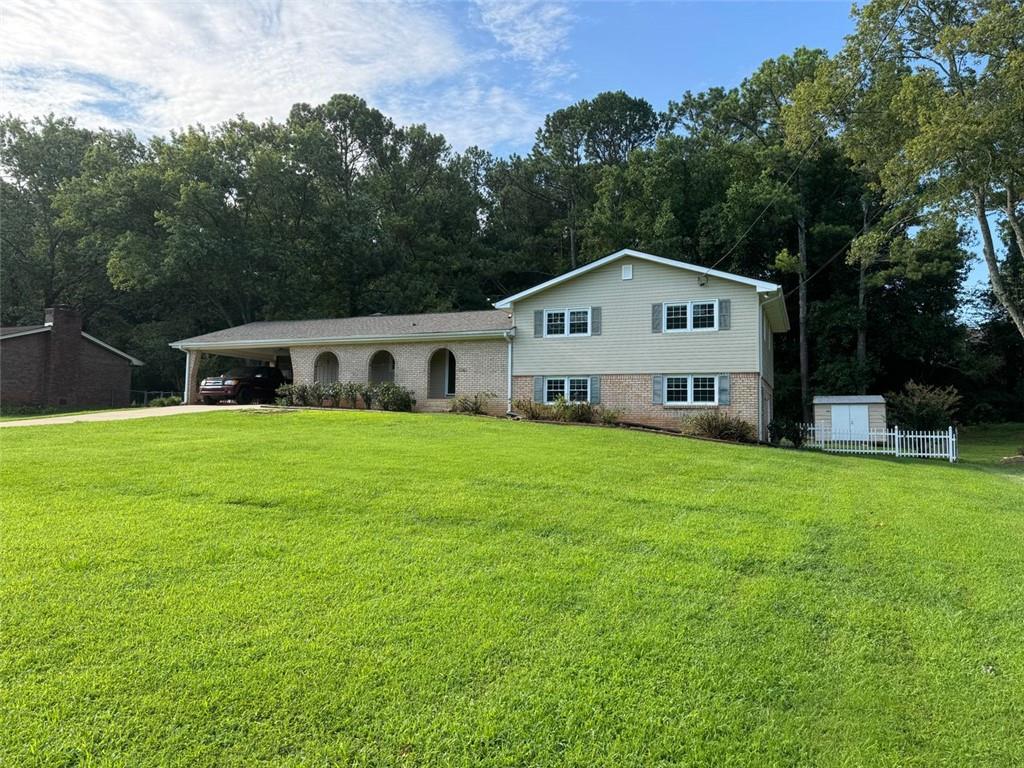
[62, 361]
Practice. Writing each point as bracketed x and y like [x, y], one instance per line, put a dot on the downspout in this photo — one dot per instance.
[509, 335]
[760, 369]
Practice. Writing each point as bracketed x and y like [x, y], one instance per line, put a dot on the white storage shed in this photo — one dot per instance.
[849, 417]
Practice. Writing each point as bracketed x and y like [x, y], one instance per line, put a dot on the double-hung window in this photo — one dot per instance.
[567, 322]
[575, 389]
[691, 390]
[691, 316]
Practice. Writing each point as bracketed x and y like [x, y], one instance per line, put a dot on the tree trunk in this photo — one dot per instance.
[805, 366]
[1011, 214]
[572, 234]
[989, 251]
[862, 318]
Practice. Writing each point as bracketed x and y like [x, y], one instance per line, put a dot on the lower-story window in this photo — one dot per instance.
[705, 389]
[572, 388]
[691, 390]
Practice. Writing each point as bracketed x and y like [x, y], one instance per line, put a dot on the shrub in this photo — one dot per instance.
[570, 410]
[391, 397]
[161, 402]
[608, 416]
[532, 411]
[350, 392]
[921, 406]
[315, 393]
[787, 429]
[285, 394]
[720, 426]
[472, 404]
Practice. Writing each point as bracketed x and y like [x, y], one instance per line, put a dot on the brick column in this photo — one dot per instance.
[62, 361]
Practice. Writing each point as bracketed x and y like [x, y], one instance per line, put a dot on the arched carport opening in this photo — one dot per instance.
[441, 374]
[325, 369]
[382, 367]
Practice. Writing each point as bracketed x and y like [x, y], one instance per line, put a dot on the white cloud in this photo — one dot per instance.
[153, 67]
[529, 29]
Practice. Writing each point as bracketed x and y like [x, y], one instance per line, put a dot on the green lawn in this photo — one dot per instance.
[313, 589]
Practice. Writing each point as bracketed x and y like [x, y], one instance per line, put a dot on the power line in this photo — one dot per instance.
[809, 147]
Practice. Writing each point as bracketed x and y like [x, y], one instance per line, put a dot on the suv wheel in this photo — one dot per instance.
[244, 396]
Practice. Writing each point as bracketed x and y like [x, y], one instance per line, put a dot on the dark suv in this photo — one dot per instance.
[243, 385]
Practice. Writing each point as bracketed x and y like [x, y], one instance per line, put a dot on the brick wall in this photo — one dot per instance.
[632, 393]
[22, 369]
[104, 379]
[480, 366]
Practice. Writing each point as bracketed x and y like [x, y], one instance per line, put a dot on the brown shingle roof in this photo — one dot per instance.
[374, 326]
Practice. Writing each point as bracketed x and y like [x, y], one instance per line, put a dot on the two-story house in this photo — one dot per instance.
[650, 337]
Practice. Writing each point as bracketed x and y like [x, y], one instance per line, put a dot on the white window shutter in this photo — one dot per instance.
[724, 314]
[538, 323]
[595, 321]
[538, 389]
[595, 390]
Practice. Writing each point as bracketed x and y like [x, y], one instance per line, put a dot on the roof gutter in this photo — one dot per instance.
[185, 344]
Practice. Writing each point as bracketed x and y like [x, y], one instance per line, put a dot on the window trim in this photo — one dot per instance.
[564, 312]
[565, 383]
[689, 402]
[689, 304]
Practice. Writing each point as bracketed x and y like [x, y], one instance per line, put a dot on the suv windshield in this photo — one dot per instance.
[238, 373]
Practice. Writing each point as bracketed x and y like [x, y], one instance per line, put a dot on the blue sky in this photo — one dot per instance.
[480, 72]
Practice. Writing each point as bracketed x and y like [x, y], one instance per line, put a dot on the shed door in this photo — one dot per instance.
[850, 422]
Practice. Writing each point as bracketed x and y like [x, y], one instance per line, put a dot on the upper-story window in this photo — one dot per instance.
[691, 316]
[567, 322]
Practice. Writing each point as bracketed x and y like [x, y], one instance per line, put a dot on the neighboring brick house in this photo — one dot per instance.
[57, 364]
[651, 337]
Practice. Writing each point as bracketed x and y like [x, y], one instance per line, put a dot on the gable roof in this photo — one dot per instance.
[22, 330]
[131, 360]
[281, 333]
[847, 399]
[761, 286]
[14, 331]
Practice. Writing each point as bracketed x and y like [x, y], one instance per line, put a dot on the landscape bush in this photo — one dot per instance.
[567, 411]
[922, 406]
[285, 394]
[608, 416]
[720, 426]
[475, 405]
[391, 397]
[573, 410]
[531, 411]
[786, 429]
[349, 393]
[161, 402]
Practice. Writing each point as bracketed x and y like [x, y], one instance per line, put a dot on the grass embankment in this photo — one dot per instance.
[372, 589]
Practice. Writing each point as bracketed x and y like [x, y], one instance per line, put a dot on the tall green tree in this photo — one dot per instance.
[964, 96]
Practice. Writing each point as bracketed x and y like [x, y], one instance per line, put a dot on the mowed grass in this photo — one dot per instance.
[313, 589]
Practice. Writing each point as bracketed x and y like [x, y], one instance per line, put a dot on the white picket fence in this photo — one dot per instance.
[941, 444]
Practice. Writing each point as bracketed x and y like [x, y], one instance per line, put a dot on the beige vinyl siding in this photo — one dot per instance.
[626, 343]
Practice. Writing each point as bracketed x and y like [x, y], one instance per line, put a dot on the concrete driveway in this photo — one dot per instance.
[127, 413]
